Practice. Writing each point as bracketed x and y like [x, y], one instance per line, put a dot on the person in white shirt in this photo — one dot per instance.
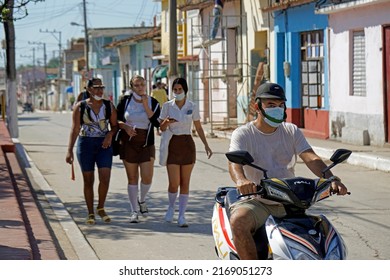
[275, 146]
[177, 115]
[137, 116]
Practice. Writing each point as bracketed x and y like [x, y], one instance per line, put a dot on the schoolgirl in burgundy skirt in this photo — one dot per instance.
[134, 150]
[181, 150]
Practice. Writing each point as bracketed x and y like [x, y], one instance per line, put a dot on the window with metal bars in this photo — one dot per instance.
[312, 71]
[358, 63]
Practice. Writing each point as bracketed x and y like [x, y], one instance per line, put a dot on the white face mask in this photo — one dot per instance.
[179, 96]
[136, 96]
[274, 116]
[97, 98]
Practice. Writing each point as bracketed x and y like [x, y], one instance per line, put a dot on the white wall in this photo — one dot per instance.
[358, 112]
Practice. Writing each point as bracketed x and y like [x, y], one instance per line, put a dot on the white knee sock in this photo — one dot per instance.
[132, 191]
[172, 199]
[183, 201]
[144, 191]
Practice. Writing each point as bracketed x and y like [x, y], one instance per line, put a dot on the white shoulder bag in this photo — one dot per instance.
[164, 144]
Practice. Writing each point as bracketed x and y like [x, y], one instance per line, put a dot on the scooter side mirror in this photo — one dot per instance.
[240, 157]
[340, 155]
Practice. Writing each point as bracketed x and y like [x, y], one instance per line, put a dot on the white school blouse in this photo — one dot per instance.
[184, 116]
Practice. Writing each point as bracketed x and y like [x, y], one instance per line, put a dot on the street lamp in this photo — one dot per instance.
[86, 43]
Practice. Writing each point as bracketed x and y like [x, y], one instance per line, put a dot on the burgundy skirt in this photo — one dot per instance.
[133, 151]
[181, 150]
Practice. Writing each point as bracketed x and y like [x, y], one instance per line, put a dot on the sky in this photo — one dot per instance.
[56, 15]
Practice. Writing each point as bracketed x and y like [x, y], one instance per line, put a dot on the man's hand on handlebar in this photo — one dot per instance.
[339, 188]
[246, 186]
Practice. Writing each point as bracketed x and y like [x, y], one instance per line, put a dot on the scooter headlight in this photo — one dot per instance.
[336, 250]
[274, 192]
[300, 252]
[299, 255]
[334, 254]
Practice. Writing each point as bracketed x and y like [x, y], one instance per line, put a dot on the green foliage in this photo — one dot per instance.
[15, 12]
[5, 14]
[53, 63]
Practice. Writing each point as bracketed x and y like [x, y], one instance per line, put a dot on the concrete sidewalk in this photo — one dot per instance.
[24, 234]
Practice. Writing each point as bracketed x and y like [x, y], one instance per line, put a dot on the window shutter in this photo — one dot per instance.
[359, 64]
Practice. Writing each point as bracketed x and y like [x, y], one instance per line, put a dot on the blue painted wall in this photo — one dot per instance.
[287, 25]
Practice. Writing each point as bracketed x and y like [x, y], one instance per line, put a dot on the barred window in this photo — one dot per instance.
[358, 63]
[312, 70]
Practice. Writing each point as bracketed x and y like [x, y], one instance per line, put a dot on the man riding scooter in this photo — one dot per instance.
[275, 145]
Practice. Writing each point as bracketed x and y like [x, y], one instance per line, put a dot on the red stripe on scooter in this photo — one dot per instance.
[225, 234]
[328, 239]
[298, 239]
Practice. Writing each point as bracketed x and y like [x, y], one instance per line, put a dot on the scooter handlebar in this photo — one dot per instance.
[260, 191]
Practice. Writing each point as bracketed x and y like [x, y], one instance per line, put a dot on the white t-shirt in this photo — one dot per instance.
[136, 115]
[276, 152]
[184, 116]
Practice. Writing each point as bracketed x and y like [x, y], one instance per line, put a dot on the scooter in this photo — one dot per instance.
[298, 235]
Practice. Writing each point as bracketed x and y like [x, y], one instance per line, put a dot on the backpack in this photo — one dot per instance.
[83, 106]
[116, 139]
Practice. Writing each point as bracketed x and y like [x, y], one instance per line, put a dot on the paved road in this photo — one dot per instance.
[45, 137]
[362, 218]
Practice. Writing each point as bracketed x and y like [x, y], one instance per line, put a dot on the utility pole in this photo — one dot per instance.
[45, 96]
[86, 43]
[172, 73]
[34, 79]
[53, 32]
[59, 47]
[28, 95]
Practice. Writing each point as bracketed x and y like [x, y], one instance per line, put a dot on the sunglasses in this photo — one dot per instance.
[98, 86]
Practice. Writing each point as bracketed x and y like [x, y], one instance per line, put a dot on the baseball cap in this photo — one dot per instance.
[270, 90]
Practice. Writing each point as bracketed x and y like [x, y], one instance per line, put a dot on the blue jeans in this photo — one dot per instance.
[90, 152]
[217, 13]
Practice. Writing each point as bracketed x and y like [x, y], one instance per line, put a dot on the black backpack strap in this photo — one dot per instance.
[85, 95]
[107, 104]
[122, 106]
[83, 106]
[128, 98]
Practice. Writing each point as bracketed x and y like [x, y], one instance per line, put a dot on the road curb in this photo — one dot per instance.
[358, 158]
[79, 243]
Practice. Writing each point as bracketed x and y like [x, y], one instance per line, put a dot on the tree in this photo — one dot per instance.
[10, 11]
[53, 62]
